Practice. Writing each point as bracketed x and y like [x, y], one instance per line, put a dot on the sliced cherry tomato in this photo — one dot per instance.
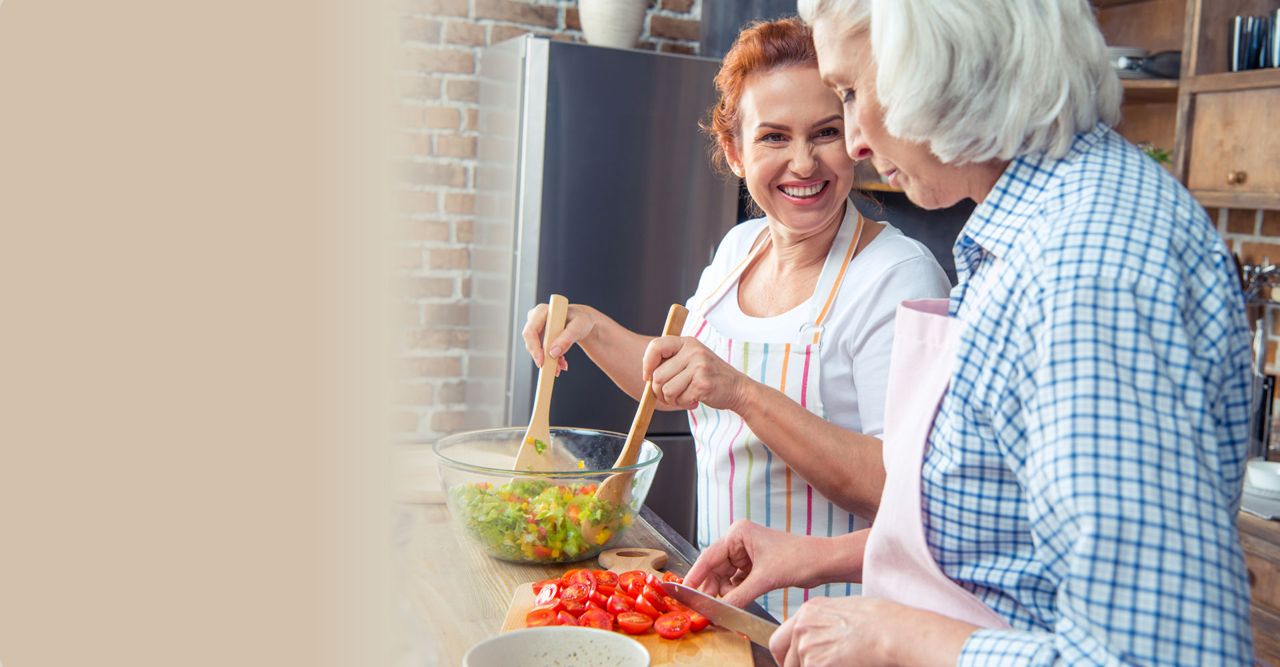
[539, 585]
[575, 607]
[672, 576]
[656, 596]
[580, 577]
[540, 617]
[575, 593]
[565, 618]
[634, 623]
[596, 618]
[646, 606]
[698, 622]
[540, 551]
[569, 574]
[600, 599]
[547, 596]
[629, 581]
[673, 625]
[673, 604]
[620, 603]
[605, 578]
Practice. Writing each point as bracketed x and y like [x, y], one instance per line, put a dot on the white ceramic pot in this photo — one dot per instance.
[615, 23]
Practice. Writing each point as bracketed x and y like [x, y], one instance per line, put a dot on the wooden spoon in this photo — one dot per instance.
[616, 488]
[534, 453]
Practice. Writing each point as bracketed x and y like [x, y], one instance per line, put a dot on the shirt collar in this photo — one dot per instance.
[1013, 205]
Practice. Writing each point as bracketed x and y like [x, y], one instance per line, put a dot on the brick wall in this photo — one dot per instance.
[439, 51]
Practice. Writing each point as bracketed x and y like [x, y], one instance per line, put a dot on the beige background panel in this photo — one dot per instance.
[178, 413]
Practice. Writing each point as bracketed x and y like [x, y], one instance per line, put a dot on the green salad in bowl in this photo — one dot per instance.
[537, 517]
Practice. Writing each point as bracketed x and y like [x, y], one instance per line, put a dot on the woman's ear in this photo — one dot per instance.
[733, 158]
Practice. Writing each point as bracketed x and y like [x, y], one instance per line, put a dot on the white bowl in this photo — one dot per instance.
[1262, 478]
[557, 646]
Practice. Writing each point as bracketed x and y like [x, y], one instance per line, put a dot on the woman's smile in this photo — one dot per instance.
[806, 193]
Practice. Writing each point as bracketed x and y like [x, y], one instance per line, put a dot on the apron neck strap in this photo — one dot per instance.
[843, 247]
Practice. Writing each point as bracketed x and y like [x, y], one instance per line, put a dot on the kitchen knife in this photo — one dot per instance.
[755, 628]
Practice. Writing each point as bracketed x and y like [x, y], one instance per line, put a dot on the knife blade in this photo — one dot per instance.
[724, 615]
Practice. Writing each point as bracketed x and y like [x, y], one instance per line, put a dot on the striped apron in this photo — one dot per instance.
[738, 476]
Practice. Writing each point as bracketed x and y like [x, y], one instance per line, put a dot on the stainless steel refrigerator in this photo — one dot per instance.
[593, 182]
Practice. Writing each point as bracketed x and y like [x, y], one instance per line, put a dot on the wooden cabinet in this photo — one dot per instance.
[1226, 153]
[1261, 541]
[1222, 127]
[1226, 171]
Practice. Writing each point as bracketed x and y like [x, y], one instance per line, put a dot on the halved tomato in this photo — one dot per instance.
[646, 606]
[672, 576]
[569, 574]
[565, 618]
[575, 593]
[547, 596]
[656, 595]
[539, 585]
[596, 618]
[632, 582]
[600, 599]
[583, 577]
[634, 623]
[698, 622]
[621, 603]
[673, 625]
[672, 604]
[540, 617]
[605, 578]
[575, 607]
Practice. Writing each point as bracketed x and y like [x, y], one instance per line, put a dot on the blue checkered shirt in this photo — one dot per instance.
[1083, 473]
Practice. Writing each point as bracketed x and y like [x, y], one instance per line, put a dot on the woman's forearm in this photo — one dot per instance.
[844, 466]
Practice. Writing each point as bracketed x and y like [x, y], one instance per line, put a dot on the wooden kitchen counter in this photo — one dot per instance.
[452, 595]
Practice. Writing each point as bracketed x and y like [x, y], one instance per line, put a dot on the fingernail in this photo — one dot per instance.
[555, 351]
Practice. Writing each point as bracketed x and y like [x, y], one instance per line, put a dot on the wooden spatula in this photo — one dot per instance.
[616, 488]
[535, 450]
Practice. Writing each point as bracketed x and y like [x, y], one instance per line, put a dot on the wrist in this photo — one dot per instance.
[746, 396]
[591, 337]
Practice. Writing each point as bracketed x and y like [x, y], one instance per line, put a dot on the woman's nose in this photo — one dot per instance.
[802, 162]
[856, 147]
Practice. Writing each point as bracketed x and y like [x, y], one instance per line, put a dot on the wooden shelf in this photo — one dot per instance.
[1150, 91]
[1221, 199]
[1228, 81]
[876, 187]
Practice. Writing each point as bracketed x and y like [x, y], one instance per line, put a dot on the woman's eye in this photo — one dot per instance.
[773, 137]
[828, 132]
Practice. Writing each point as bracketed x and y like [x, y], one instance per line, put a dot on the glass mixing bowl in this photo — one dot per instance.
[536, 517]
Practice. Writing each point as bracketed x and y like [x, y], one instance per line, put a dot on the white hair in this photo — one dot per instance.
[984, 79]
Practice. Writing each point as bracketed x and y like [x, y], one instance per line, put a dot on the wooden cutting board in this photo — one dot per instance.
[712, 646]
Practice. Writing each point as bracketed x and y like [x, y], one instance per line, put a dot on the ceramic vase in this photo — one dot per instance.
[615, 23]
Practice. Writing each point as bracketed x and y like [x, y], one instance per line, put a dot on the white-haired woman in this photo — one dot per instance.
[1064, 439]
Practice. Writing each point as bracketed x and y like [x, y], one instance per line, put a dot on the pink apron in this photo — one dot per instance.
[897, 564]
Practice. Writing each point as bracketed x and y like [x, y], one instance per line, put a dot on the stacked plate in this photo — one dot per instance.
[1262, 489]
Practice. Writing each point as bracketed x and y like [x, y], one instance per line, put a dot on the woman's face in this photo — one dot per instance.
[790, 149]
[848, 67]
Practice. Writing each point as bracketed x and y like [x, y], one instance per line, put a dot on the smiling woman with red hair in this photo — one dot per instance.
[783, 361]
